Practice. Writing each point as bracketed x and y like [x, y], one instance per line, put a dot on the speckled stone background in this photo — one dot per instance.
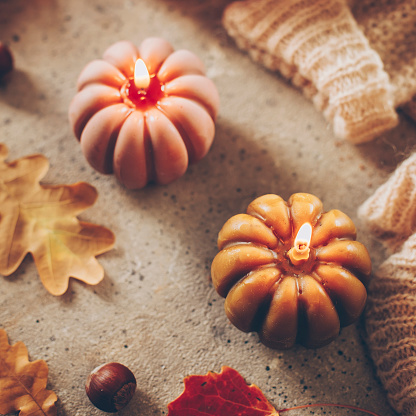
[156, 310]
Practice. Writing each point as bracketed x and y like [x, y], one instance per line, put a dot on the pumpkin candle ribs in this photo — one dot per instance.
[272, 287]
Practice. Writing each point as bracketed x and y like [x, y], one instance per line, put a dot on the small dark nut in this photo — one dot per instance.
[110, 387]
[6, 60]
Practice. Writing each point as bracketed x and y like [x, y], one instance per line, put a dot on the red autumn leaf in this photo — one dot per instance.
[227, 394]
[220, 394]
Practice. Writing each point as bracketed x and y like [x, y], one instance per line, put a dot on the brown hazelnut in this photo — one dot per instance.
[6, 60]
[110, 387]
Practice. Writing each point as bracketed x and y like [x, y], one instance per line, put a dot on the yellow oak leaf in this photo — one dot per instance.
[23, 383]
[41, 220]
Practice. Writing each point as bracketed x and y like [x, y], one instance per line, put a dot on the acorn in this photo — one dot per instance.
[110, 387]
[6, 60]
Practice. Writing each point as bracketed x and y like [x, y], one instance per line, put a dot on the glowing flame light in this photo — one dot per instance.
[303, 238]
[300, 250]
[141, 75]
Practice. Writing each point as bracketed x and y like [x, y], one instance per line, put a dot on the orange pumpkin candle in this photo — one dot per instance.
[144, 113]
[290, 271]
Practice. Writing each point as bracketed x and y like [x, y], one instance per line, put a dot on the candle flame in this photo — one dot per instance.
[141, 75]
[303, 238]
[300, 250]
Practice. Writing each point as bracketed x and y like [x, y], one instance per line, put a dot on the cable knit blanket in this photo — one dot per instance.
[356, 60]
[390, 215]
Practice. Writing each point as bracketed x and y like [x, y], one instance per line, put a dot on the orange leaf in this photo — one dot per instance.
[222, 394]
[41, 220]
[23, 383]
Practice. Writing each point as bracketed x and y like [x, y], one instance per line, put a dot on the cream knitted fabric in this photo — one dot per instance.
[391, 327]
[390, 214]
[318, 45]
[390, 27]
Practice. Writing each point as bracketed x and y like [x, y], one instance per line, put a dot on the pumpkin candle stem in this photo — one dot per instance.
[300, 250]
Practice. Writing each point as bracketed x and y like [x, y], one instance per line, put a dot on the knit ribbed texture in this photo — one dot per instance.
[391, 309]
[390, 213]
[318, 46]
[390, 27]
[391, 327]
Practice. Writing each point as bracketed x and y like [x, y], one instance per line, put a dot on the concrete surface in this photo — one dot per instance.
[156, 310]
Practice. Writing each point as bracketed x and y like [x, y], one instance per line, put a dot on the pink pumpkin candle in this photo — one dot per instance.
[144, 113]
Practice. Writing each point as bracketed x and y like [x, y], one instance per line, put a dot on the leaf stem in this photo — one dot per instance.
[345, 406]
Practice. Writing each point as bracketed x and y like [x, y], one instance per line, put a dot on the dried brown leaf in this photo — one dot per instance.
[23, 383]
[41, 220]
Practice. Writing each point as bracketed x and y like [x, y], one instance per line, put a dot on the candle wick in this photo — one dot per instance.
[299, 253]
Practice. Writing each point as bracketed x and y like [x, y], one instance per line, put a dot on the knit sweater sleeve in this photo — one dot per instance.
[390, 318]
[319, 47]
